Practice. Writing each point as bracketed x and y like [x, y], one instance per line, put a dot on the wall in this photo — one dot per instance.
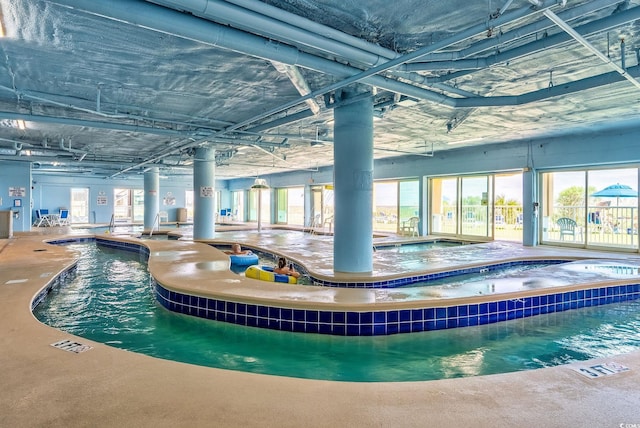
[16, 175]
[54, 192]
[578, 149]
[607, 147]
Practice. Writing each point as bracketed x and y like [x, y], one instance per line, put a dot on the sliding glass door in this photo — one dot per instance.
[483, 206]
[475, 207]
[444, 205]
[593, 208]
[129, 205]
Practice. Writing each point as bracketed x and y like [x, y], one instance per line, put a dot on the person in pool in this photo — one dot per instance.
[236, 249]
[283, 269]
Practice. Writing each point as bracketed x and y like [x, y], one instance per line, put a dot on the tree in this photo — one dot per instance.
[571, 200]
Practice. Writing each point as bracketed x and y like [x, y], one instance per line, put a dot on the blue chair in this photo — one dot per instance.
[63, 218]
[42, 218]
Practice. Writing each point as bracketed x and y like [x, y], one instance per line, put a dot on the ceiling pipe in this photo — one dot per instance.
[26, 95]
[167, 21]
[314, 27]
[92, 124]
[566, 27]
[20, 95]
[548, 42]
[247, 20]
[390, 64]
[14, 142]
[551, 92]
[330, 33]
[289, 28]
[270, 153]
[504, 8]
[163, 20]
[490, 44]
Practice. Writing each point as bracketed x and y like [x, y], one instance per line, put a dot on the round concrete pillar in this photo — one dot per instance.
[353, 181]
[151, 197]
[204, 202]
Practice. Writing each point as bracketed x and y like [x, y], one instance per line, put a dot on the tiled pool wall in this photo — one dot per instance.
[64, 277]
[371, 323]
[402, 282]
[368, 323]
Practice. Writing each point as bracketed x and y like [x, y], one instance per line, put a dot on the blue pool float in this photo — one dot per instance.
[244, 259]
[266, 273]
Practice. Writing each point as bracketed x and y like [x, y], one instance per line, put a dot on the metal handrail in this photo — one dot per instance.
[155, 221]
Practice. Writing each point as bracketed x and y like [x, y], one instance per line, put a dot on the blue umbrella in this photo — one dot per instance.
[616, 191]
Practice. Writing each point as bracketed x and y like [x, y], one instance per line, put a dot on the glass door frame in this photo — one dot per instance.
[486, 215]
[600, 226]
[79, 212]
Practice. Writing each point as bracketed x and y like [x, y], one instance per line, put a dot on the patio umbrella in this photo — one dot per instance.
[616, 191]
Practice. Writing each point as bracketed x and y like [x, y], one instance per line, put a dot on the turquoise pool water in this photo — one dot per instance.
[111, 301]
[419, 247]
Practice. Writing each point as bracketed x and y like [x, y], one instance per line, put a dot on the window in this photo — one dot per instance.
[79, 205]
[591, 208]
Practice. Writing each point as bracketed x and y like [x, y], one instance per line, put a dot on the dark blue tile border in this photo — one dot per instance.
[55, 283]
[363, 323]
[402, 282]
[374, 323]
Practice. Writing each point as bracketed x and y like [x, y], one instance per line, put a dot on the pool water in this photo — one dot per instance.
[419, 247]
[111, 300]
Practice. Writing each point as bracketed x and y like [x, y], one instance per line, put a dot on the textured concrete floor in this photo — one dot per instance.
[44, 386]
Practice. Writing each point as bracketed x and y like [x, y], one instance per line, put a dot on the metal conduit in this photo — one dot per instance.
[290, 28]
[590, 28]
[283, 32]
[314, 27]
[520, 32]
[92, 124]
[167, 21]
[546, 93]
[238, 17]
[566, 27]
[364, 75]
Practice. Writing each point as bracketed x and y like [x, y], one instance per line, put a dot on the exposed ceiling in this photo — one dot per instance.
[110, 88]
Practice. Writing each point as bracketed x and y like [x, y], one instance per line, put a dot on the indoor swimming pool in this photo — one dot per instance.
[110, 299]
[420, 246]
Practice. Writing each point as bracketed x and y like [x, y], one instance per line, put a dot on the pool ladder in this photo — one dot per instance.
[156, 221]
[112, 223]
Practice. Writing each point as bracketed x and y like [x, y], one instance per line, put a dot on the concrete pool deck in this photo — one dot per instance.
[45, 386]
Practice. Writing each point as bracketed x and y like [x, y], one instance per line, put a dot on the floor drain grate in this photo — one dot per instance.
[601, 370]
[71, 346]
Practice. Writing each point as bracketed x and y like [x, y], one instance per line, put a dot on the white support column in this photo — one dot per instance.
[204, 193]
[151, 197]
[353, 181]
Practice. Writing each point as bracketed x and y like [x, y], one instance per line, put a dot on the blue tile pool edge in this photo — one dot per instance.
[385, 322]
[359, 323]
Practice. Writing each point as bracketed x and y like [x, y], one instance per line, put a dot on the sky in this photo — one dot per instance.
[597, 179]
